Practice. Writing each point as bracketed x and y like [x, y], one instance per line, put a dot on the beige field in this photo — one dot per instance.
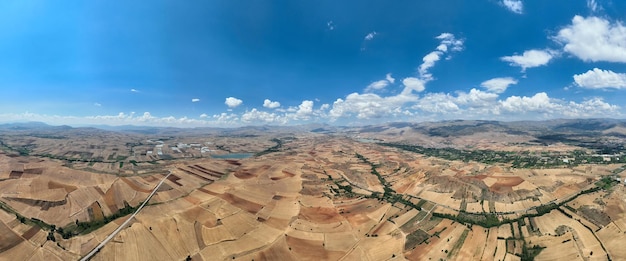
[293, 205]
[586, 243]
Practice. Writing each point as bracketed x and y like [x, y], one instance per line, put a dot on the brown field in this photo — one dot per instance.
[288, 205]
[505, 184]
[96, 211]
[8, 238]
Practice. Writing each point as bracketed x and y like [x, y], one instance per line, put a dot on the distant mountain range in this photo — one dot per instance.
[455, 128]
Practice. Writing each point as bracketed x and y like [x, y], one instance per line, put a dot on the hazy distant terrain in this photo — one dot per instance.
[453, 190]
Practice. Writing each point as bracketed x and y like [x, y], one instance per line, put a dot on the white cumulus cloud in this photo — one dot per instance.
[256, 116]
[476, 98]
[594, 107]
[369, 106]
[382, 84]
[145, 119]
[530, 59]
[450, 40]
[233, 102]
[413, 84]
[373, 106]
[377, 85]
[267, 103]
[477, 104]
[540, 102]
[601, 79]
[498, 85]
[438, 103]
[226, 118]
[305, 109]
[195, 100]
[515, 6]
[594, 39]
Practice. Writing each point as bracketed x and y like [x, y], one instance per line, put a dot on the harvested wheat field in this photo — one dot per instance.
[304, 196]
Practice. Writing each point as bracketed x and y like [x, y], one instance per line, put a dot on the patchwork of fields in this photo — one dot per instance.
[306, 197]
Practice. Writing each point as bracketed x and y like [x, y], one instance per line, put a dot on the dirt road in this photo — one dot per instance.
[122, 226]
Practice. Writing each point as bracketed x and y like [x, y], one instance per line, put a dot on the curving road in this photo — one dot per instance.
[123, 225]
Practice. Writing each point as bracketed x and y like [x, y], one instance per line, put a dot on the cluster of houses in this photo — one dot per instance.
[179, 148]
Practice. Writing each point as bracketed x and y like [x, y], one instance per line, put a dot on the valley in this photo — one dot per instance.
[393, 192]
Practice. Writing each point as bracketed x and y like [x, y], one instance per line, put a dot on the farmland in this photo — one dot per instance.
[297, 195]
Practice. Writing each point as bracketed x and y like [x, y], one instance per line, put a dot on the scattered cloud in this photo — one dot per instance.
[530, 59]
[366, 39]
[550, 108]
[381, 84]
[498, 85]
[389, 78]
[476, 98]
[464, 104]
[438, 103]
[233, 102]
[97, 104]
[302, 112]
[448, 42]
[540, 102]
[413, 84]
[377, 85]
[600, 79]
[270, 104]
[306, 107]
[305, 110]
[256, 116]
[515, 6]
[373, 106]
[448, 106]
[226, 118]
[330, 25]
[145, 119]
[593, 107]
[592, 5]
[475, 104]
[428, 62]
[370, 36]
[368, 106]
[590, 39]
[594, 39]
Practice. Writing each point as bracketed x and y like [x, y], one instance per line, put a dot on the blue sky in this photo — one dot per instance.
[234, 62]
